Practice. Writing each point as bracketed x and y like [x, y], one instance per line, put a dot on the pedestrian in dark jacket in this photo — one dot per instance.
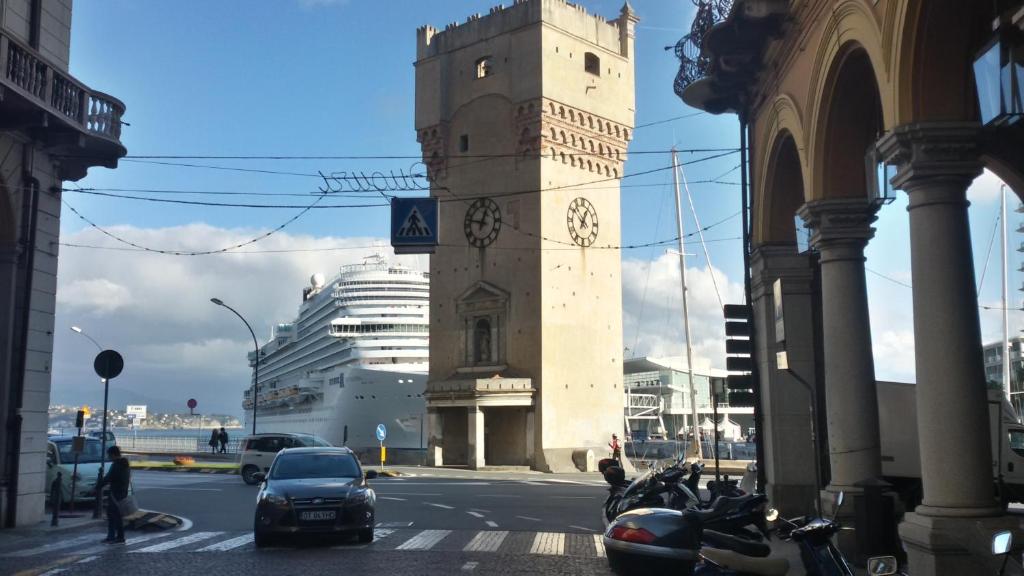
[214, 439]
[118, 477]
[223, 437]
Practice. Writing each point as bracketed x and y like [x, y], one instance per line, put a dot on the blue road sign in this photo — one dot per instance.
[382, 432]
[414, 225]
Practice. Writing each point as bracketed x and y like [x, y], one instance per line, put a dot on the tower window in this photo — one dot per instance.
[464, 143]
[483, 67]
[592, 63]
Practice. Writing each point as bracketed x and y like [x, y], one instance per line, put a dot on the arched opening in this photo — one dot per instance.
[785, 190]
[483, 67]
[853, 123]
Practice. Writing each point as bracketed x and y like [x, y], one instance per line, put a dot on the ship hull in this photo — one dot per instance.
[348, 414]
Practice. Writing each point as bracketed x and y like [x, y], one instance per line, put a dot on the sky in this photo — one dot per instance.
[335, 78]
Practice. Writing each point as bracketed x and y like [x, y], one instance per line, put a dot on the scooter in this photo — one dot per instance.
[669, 539]
[888, 565]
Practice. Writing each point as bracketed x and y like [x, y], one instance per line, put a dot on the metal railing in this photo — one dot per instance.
[25, 70]
[173, 444]
[693, 64]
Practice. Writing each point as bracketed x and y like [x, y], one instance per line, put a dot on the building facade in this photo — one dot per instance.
[55, 128]
[658, 399]
[514, 111]
[830, 94]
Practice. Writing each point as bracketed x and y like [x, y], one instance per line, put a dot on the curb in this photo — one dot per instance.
[193, 470]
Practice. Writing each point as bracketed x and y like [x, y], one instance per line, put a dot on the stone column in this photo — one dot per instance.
[8, 275]
[785, 402]
[435, 437]
[948, 533]
[840, 230]
[475, 431]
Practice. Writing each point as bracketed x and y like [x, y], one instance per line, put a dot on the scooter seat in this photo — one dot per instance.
[744, 546]
[745, 564]
[721, 506]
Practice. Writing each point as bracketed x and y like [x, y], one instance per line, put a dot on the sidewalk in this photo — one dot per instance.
[144, 521]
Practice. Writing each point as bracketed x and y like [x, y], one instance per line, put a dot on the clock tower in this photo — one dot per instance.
[524, 116]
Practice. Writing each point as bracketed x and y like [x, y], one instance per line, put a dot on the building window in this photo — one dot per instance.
[464, 143]
[483, 67]
[592, 63]
[482, 341]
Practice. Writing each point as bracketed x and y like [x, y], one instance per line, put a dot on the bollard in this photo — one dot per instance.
[56, 492]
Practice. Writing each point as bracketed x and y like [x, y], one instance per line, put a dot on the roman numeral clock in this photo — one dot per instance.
[582, 221]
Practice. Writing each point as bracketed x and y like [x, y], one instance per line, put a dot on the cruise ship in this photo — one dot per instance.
[355, 357]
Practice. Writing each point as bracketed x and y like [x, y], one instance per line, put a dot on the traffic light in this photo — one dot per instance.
[739, 355]
[80, 419]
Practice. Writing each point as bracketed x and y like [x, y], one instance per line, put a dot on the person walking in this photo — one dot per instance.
[223, 437]
[118, 478]
[214, 439]
[616, 447]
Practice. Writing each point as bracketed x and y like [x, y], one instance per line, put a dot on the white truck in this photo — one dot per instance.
[901, 459]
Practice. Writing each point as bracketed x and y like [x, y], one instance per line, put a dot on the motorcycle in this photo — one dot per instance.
[684, 543]
[888, 565]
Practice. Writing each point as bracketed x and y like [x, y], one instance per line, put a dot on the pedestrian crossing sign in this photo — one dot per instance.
[414, 225]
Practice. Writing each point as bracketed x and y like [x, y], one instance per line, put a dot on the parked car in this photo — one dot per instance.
[98, 434]
[60, 457]
[258, 450]
[314, 490]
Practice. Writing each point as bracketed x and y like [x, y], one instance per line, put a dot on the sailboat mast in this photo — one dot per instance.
[695, 447]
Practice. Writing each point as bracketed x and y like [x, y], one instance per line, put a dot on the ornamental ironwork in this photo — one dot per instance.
[693, 63]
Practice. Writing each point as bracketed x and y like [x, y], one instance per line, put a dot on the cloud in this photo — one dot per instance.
[155, 309]
[652, 310]
[93, 296]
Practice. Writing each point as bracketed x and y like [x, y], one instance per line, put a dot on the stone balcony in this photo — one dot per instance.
[465, 389]
[81, 125]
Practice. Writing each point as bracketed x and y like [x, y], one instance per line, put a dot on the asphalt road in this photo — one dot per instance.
[473, 524]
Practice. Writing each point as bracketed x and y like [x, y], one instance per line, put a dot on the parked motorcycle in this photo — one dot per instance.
[682, 542]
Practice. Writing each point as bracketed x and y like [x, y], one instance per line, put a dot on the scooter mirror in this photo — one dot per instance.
[1001, 542]
[839, 500]
[882, 566]
[771, 515]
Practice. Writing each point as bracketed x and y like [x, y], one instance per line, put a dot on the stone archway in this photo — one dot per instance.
[783, 192]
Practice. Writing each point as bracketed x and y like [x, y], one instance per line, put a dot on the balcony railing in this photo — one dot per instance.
[59, 93]
[693, 62]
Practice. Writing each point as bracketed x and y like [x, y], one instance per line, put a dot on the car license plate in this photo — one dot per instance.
[318, 515]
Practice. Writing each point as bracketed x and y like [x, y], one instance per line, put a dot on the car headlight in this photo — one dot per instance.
[360, 497]
[276, 499]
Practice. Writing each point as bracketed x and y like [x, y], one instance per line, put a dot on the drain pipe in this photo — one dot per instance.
[23, 297]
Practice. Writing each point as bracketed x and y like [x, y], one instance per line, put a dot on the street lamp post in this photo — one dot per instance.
[256, 345]
[103, 438]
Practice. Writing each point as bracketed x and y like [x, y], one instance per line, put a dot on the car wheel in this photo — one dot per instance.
[261, 539]
[366, 535]
[247, 474]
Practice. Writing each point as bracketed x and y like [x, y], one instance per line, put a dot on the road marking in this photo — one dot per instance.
[394, 524]
[229, 544]
[87, 539]
[445, 506]
[378, 534]
[477, 514]
[582, 528]
[88, 559]
[183, 541]
[52, 572]
[599, 545]
[530, 518]
[391, 498]
[469, 566]
[491, 523]
[486, 541]
[552, 543]
[49, 568]
[129, 542]
[425, 540]
[532, 483]
[499, 495]
[480, 510]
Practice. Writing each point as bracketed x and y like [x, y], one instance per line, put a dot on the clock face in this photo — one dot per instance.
[582, 220]
[483, 222]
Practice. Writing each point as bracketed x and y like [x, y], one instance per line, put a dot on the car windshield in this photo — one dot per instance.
[91, 453]
[314, 465]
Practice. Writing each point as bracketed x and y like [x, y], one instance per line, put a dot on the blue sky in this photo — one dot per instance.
[330, 77]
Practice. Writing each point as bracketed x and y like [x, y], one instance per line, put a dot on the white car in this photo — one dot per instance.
[61, 458]
[258, 451]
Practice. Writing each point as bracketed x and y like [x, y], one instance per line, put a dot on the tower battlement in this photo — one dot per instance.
[501, 19]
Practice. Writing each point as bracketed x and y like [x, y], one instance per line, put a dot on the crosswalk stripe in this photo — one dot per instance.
[486, 541]
[87, 539]
[101, 548]
[229, 544]
[599, 545]
[425, 540]
[183, 541]
[548, 543]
